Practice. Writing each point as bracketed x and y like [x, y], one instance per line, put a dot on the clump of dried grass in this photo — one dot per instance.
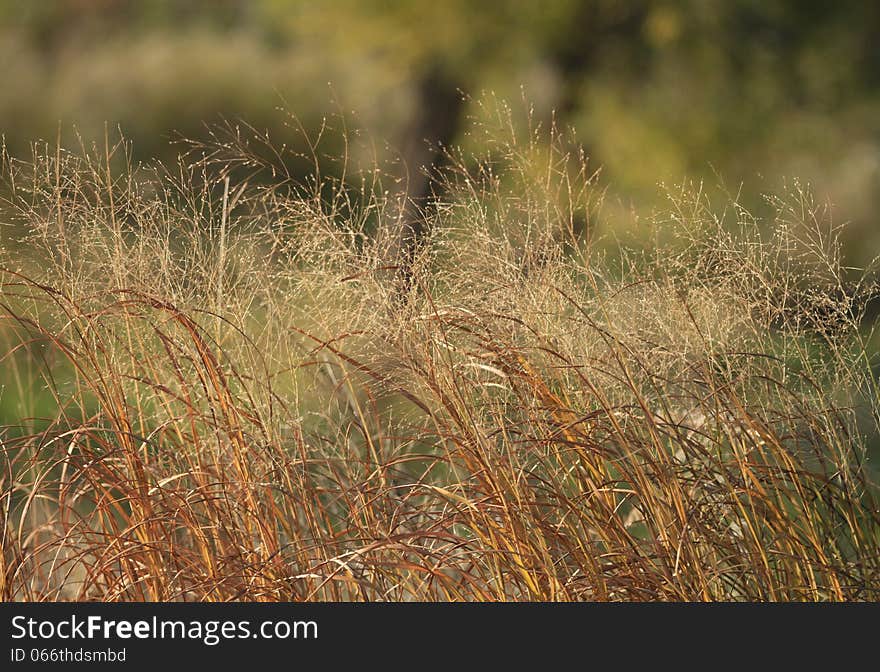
[248, 403]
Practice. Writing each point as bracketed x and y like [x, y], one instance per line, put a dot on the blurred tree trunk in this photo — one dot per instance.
[592, 28]
[440, 105]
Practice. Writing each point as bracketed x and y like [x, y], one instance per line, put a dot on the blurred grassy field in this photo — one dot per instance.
[745, 94]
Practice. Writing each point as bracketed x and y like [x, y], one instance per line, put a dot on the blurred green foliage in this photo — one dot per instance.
[744, 91]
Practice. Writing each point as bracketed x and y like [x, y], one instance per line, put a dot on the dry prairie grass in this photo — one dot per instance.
[246, 402]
